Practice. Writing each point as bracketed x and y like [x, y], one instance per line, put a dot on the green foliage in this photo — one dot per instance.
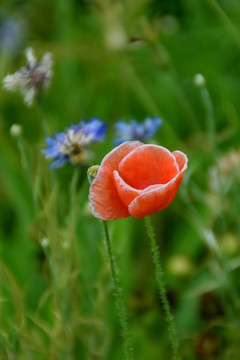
[128, 59]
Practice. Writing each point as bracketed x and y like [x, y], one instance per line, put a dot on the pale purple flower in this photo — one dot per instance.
[32, 78]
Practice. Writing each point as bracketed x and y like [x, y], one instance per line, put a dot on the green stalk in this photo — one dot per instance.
[118, 296]
[73, 194]
[162, 291]
[24, 159]
[226, 20]
[41, 116]
[210, 120]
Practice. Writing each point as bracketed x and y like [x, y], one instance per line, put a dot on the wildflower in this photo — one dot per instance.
[136, 179]
[136, 131]
[71, 146]
[32, 78]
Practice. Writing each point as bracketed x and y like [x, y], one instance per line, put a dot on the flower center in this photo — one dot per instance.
[36, 78]
[74, 146]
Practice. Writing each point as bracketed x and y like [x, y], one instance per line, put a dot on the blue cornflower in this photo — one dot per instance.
[136, 131]
[71, 146]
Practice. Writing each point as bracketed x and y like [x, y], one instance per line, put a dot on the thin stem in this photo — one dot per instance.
[161, 287]
[73, 194]
[118, 295]
[48, 253]
[44, 128]
[225, 20]
[41, 116]
[24, 159]
[207, 102]
[71, 218]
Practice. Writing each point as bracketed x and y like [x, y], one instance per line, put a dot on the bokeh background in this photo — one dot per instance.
[121, 59]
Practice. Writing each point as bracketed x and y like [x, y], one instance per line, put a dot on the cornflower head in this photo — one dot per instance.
[72, 145]
[30, 79]
[136, 131]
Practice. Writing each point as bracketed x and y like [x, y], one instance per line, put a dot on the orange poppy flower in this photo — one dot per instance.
[137, 180]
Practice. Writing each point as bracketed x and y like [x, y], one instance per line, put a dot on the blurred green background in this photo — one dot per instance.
[122, 59]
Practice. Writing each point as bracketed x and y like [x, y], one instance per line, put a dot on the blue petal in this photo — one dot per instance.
[95, 127]
[120, 141]
[136, 131]
[75, 127]
[152, 125]
[123, 129]
[51, 153]
[59, 162]
[50, 141]
[60, 137]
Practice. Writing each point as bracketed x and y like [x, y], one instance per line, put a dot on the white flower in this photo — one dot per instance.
[32, 78]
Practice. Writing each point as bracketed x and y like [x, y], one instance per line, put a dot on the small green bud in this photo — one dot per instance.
[92, 173]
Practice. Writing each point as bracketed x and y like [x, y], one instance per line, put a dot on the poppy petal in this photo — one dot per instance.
[148, 165]
[159, 197]
[105, 202]
[181, 159]
[126, 193]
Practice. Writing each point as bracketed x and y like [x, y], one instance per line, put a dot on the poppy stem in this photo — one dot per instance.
[161, 287]
[118, 296]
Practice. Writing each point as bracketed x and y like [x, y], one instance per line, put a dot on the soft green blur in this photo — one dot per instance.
[122, 59]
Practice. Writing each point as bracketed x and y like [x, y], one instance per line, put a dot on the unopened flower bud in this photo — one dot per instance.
[199, 80]
[16, 130]
[92, 173]
[44, 242]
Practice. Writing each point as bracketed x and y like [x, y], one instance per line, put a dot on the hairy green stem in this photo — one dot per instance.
[117, 292]
[161, 287]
